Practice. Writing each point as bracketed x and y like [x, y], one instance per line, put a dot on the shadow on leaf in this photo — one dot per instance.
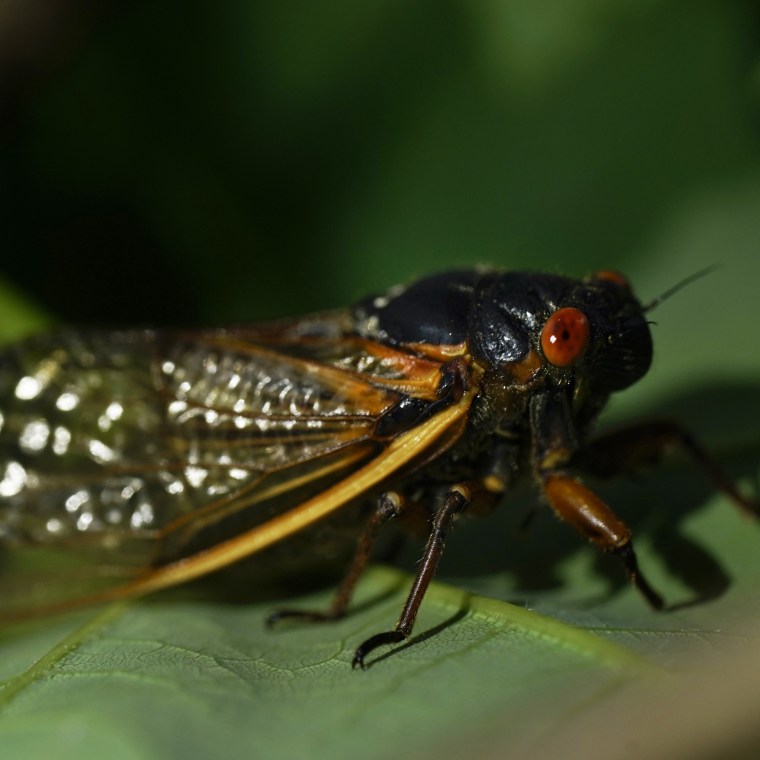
[725, 417]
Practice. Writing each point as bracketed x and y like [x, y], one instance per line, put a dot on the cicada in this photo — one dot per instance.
[148, 458]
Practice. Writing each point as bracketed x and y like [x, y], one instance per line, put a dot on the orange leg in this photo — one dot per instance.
[579, 506]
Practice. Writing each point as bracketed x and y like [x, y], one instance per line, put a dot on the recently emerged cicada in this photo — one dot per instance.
[148, 458]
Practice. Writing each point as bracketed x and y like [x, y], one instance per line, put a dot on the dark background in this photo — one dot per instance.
[179, 162]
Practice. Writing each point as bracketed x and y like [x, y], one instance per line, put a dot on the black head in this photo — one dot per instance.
[506, 317]
[590, 330]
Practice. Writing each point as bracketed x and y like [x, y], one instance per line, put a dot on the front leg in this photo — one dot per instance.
[554, 448]
[579, 506]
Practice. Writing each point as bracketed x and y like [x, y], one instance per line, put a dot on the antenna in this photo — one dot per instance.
[681, 284]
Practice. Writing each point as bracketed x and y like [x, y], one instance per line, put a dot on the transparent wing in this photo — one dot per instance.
[124, 451]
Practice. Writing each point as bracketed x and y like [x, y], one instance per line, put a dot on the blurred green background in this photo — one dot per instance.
[179, 162]
[187, 162]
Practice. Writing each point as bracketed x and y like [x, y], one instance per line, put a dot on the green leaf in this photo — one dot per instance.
[18, 316]
[219, 676]
[187, 676]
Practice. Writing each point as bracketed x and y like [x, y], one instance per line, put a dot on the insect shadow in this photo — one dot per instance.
[429, 633]
[655, 503]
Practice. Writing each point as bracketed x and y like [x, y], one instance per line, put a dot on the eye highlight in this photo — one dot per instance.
[565, 336]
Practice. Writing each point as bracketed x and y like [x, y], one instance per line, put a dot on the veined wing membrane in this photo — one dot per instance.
[129, 450]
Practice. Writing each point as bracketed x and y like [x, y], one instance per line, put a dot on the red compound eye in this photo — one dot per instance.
[610, 275]
[565, 336]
